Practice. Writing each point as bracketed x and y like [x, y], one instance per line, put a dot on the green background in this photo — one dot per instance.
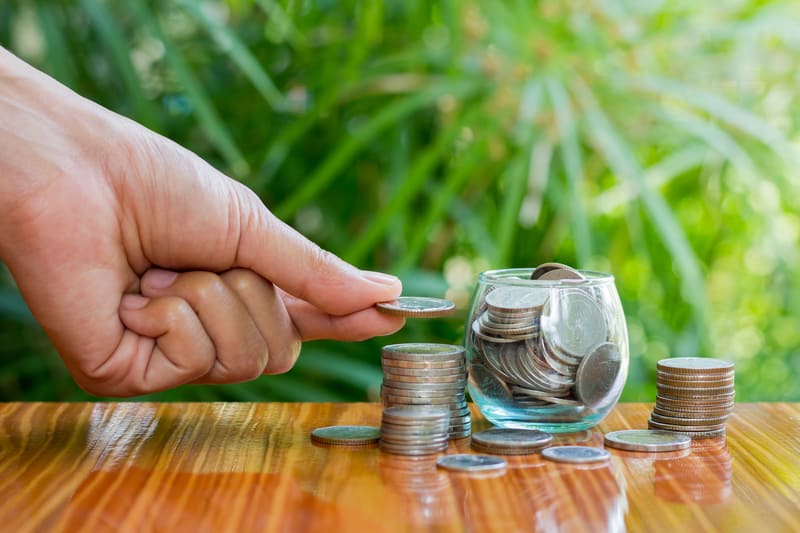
[435, 139]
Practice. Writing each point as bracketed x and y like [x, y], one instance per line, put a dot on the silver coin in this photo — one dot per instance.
[488, 384]
[695, 365]
[686, 421]
[423, 351]
[423, 364]
[346, 435]
[416, 413]
[417, 307]
[574, 323]
[499, 438]
[599, 379]
[476, 329]
[423, 395]
[463, 434]
[415, 440]
[646, 440]
[427, 379]
[544, 268]
[511, 299]
[456, 371]
[575, 454]
[560, 274]
[470, 462]
[412, 450]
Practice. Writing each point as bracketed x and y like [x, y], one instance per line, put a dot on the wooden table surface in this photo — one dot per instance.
[244, 467]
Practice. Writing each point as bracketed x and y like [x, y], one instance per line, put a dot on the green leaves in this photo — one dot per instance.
[434, 139]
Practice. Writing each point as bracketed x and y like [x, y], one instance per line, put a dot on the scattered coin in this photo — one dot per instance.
[643, 440]
[417, 307]
[575, 454]
[516, 441]
[346, 435]
[470, 463]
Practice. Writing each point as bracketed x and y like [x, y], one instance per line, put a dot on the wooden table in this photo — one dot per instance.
[244, 467]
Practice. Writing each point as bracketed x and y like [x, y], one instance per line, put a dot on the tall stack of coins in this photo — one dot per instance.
[541, 346]
[417, 374]
[415, 430]
[695, 396]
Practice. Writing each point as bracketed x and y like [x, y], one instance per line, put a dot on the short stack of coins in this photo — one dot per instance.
[695, 396]
[418, 374]
[527, 350]
[415, 430]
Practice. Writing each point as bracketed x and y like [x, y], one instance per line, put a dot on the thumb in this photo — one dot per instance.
[279, 253]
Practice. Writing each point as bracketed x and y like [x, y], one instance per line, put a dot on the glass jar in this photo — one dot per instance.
[546, 354]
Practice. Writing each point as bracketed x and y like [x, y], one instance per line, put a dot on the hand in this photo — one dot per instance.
[145, 266]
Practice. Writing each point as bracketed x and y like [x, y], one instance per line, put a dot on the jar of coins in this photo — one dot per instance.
[547, 347]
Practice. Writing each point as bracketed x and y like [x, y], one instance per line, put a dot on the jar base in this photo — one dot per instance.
[531, 419]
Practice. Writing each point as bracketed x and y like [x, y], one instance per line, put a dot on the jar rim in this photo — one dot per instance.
[521, 277]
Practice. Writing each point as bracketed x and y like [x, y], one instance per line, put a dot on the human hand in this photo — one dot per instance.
[145, 266]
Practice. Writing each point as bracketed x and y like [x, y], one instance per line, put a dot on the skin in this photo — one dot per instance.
[148, 268]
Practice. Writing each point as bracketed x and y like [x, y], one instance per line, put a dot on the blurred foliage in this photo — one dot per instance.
[655, 140]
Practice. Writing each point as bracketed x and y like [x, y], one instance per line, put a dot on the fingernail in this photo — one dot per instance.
[160, 279]
[133, 301]
[380, 277]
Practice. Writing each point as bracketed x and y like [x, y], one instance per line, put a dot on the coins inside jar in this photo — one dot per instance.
[546, 342]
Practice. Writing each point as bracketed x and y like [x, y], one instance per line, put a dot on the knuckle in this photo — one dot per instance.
[202, 287]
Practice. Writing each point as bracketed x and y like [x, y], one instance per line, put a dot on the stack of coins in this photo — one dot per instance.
[695, 396]
[428, 374]
[546, 346]
[416, 430]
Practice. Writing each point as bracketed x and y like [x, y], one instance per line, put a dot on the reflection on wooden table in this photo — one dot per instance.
[243, 467]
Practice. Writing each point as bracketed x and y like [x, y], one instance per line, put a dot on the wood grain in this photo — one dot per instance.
[245, 467]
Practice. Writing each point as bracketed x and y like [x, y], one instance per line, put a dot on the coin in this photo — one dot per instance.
[691, 365]
[690, 412]
[423, 351]
[544, 268]
[504, 438]
[598, 380]
[346, 435]
[453, 364]
[686, 421]
[653, 424]
[514, 299]
[699, 434]
[644, 440]
[412, 450]
[560, 274]
[574, 323]
[470, 462]
[678, 393]
[427, 379]
[417, 307]
[415, 413]
[575, 454]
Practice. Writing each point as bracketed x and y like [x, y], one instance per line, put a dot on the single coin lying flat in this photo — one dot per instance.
[575, 454]
[346, 435]
[470, 462]
[646, 440]
[417, 307]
